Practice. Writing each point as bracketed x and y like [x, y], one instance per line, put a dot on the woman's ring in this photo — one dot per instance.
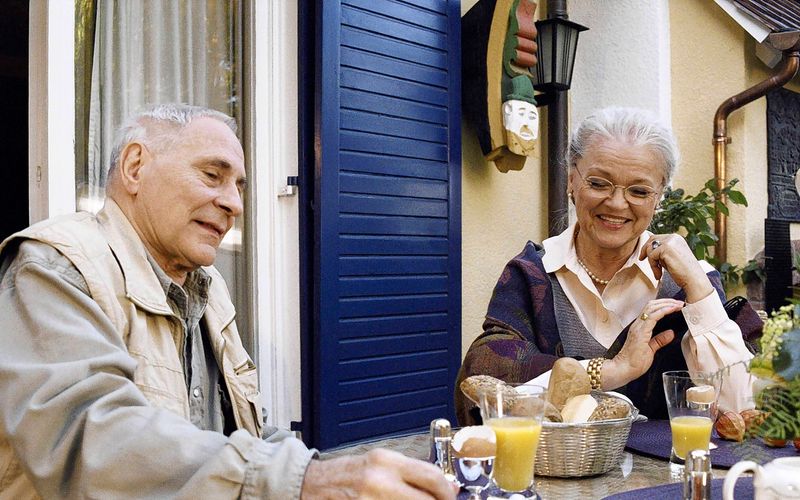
[655, 244]
[644, 317]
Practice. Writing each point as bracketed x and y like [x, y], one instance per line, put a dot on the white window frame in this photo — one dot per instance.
[52, 188]
[276, 251]
[51, 109]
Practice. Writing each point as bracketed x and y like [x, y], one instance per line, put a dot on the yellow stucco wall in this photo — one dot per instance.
[499, 214]
[713, 58]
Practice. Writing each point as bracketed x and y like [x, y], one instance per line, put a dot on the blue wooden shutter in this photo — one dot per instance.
[388, 256]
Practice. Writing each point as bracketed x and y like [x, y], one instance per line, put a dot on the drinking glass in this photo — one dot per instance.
[515, 414]
[692, 406]
[474, 473]
[474, 448]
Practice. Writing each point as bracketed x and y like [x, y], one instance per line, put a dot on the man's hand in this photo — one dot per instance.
[378, 474]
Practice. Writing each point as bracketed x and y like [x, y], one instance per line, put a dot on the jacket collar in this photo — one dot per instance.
[142, 286]
[141, 283]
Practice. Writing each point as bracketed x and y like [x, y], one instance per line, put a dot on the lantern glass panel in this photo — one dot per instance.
[544, 69]
[558, 41]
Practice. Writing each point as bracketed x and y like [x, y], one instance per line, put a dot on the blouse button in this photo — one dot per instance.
[196, 392]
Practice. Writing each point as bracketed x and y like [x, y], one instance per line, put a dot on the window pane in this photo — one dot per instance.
[131, 54]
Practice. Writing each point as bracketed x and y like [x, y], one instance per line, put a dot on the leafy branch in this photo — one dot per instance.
[778, 362]
[692, 215]
[781, 403]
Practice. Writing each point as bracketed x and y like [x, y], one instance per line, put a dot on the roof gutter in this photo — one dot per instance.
[785, 72]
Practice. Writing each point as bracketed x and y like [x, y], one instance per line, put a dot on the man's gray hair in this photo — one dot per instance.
[139, 127]
[629, 125]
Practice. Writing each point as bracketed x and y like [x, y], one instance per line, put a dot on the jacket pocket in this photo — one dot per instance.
[246, 397]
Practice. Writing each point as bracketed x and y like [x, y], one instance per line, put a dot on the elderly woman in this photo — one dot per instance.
[597, 291]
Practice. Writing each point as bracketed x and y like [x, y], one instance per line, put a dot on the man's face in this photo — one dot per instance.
[189, 194]
[521, 122]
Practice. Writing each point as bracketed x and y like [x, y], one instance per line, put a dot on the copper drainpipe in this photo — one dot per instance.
[785, 73]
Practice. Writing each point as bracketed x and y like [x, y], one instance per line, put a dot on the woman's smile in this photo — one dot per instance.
[612, 222]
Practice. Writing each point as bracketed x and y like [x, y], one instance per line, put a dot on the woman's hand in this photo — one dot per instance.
[670, 252]
[636, 356]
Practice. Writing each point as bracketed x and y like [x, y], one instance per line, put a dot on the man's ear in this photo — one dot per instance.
[132, 159]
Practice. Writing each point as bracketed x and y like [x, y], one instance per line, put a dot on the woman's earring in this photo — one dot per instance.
[569, 195]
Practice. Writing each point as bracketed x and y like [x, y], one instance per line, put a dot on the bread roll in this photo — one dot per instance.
[567, 380]
[610, 408]
[549, 413]
[472, 387]
[578, 409]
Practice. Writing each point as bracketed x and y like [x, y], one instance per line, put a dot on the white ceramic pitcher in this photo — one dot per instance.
[776, 480]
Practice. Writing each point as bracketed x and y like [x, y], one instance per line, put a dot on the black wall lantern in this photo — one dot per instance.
[557, 40]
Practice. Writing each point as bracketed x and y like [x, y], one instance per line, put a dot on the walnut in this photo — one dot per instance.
[730, 426]
[774, 443]
[752, 419]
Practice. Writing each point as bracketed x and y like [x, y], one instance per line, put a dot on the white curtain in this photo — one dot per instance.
[148, 52]
[156, 51]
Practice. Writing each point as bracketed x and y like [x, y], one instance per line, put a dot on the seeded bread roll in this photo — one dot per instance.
[472, 387]
[609, 408]
[567, 380]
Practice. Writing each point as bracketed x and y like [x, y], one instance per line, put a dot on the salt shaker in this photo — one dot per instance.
[440, 446]
[697, 476]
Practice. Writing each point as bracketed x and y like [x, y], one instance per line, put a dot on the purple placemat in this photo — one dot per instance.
[671, 491]
[654, 439]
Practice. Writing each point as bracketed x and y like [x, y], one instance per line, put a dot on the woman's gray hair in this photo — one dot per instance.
[145, 125]
[629, 125]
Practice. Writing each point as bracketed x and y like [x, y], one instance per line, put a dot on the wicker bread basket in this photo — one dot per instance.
[587, 449]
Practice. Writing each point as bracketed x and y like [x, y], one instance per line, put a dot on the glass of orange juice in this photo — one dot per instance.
[692, 405]
[514, 412]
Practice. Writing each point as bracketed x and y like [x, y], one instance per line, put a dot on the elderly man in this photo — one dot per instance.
[122, 373]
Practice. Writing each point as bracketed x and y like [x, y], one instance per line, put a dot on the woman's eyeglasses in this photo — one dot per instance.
[635, 194]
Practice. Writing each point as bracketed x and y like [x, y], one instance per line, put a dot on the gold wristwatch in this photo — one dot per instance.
[595, 373]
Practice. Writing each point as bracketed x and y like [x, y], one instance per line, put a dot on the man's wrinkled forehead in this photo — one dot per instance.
[165, 133]
[161, 135]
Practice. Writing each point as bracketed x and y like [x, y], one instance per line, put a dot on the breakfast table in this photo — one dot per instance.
[634, 471]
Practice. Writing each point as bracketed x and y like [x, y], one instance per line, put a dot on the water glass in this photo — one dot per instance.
[692, 406]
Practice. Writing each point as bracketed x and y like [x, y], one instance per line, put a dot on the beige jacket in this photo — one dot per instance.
[112, 261]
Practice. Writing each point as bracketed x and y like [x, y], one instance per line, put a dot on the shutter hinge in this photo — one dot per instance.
[290, 189]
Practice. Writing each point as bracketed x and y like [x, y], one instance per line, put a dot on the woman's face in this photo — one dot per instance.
[612, 222]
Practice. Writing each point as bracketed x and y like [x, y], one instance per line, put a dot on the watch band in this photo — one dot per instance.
[594, 371]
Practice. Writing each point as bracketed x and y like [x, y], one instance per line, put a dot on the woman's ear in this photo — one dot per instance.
[132, 159]
[571, 179]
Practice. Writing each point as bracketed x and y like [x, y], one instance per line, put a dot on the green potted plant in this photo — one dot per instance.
[777, 368]
[691, 215]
